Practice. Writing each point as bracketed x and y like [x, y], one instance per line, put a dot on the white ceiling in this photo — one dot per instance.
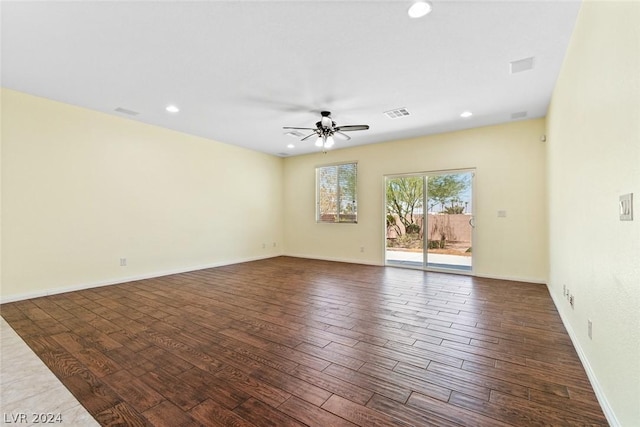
[241, 70]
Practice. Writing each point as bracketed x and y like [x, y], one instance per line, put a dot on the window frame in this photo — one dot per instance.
[337, 218]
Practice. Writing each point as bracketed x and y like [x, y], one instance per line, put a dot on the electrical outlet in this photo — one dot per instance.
[264, 245]
[361, 248]
[123, 262]
[590, 328]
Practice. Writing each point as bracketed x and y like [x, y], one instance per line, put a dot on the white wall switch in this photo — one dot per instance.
[626, 207]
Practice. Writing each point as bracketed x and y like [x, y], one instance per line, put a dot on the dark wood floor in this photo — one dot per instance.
[289, 342]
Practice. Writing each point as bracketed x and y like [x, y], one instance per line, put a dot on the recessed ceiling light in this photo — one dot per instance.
[466, 114]
[419, 9]
[291, 146]
[172, 109]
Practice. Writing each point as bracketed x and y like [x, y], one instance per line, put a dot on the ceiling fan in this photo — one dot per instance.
[326, 128]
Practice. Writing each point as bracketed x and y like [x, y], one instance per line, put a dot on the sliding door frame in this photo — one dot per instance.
[425, 255]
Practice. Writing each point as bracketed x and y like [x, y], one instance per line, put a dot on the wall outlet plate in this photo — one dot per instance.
[626, 207]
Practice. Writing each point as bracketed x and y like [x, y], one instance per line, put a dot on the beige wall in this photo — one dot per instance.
[82, 189]
[593, 158]
[510, 175]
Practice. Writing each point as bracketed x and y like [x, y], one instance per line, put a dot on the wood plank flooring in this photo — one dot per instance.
[293, 342]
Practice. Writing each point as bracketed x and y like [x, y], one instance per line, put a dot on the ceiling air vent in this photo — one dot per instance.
[295, 134]
[397, 113]
[283, 154]
[125, 111]
[521, 65]
[518, 115]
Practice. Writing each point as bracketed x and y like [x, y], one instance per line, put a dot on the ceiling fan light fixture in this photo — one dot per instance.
[326, 129]
[420, 9]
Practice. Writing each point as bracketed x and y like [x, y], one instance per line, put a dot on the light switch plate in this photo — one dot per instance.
[626, 207]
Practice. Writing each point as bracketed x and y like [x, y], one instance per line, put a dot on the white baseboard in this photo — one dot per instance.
[602, 398]
[537, 281]
[345, 260]
[534, 280]
[119, 280]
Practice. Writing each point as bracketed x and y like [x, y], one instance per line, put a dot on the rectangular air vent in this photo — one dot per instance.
[518, 115]
[521, 65]
[397, 113]
[295, 134]
[125, 111]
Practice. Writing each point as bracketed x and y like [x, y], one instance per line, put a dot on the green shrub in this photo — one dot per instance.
[454, 210]
[436, 244]
[412, 228]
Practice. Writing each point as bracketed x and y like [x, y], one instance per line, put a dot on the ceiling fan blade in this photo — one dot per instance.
[309, 136]
[350, 128]
[291, 127]
[343, 136]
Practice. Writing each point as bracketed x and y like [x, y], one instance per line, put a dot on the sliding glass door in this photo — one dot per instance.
[405, 232]
[429, 220]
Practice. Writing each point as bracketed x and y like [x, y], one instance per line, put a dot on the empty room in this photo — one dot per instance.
[320, 213]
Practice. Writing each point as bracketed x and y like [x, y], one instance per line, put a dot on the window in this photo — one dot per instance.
[336, 193]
